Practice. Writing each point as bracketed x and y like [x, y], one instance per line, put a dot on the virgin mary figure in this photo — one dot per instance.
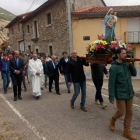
[110, 24]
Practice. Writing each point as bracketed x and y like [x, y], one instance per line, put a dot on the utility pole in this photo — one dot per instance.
[69, 24]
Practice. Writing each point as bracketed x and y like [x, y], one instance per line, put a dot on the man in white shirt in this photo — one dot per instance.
[35, 72]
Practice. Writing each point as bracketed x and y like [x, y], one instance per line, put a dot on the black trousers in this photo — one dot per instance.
[98, 85]
[23, 80]
[56, 79]
[17, 89]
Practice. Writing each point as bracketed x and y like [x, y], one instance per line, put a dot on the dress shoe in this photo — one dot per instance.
[112, 125]
[84, 109]
[129, 135]
[5, 91]
[68, 91]
[25, 89]
[72, 105]
[20, 98]
[15, 98]
[37, 97]
[58, 93]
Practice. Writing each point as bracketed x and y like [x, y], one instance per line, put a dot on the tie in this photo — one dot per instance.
[17, 61]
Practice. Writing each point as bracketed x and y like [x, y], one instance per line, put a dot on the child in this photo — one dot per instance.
[115, 17]
[45, 71]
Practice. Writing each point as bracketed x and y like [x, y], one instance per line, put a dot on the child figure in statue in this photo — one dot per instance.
[115, 17]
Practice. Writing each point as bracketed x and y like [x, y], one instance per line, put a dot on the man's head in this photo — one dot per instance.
[23, 53]
[44, 59]
[35, 56]
[5, 56]
[54, 58]
[74, 54]
[46, 55]
[64, 54]
[121, 54]
[16, 54]
[41, 58]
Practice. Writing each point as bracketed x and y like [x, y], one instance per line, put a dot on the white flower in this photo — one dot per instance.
[96, 41]
[120, 45]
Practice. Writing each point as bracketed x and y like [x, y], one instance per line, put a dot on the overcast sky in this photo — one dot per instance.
[21, 6]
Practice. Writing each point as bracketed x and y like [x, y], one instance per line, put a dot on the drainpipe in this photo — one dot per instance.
[69, 25]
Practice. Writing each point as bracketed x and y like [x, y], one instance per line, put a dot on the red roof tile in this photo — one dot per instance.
[25, 14]
[94, 9]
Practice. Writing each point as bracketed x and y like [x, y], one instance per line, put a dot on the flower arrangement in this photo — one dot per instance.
[107, 46]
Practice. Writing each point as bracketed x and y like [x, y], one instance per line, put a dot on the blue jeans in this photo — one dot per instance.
[6, 80]
[77, 87]
[66, 80]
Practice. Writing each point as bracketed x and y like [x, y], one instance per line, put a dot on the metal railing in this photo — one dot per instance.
[132, 37]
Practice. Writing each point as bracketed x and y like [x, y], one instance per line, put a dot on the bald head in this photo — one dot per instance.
[74, 54]
[54, 57]
[35, 56]
[16, 54]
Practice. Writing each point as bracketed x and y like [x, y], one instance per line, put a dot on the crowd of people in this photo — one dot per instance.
[38, 70]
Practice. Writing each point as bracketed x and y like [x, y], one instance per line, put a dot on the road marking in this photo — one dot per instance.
[30, 126]
[133, 104]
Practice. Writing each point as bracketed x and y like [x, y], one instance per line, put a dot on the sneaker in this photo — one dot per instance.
[84, 109]
[129, 135]
[97, 103]
[103, 106]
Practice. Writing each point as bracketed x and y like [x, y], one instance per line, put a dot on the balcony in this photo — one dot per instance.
[132, 37]
[35, 39]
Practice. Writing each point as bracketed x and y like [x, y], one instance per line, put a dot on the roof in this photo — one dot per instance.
[40, 9]
[17, 18]
[104, 9]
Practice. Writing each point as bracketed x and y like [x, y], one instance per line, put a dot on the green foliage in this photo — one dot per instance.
[6, 15]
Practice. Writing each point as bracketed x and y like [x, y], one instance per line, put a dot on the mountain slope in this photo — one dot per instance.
[6, 15]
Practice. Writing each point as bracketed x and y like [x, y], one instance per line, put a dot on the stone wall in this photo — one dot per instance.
[15, 38]
[54, 35]
[80, 4]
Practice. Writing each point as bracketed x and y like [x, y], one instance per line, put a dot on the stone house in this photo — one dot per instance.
[46, 29]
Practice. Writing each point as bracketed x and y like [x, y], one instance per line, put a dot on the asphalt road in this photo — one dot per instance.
[51, 118]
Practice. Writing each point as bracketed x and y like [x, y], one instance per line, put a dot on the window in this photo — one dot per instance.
[50, 50]
[12, 31]
[18, 27]
[28, 29]
[35, 29]
[48, 18]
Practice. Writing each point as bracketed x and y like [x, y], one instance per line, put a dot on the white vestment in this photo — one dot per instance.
[35, 66]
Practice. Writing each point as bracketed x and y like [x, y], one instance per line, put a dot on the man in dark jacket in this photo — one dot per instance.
[98, 71]
[120, 87]
[53, 68]
[75, 69]
[16, 66]
[63, 64]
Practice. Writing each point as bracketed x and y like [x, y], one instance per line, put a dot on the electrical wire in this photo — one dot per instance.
[34, 1]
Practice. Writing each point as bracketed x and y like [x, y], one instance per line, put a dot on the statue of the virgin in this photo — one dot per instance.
[110, 24]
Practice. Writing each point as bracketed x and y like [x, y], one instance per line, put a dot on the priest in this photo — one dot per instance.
[35, 74]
